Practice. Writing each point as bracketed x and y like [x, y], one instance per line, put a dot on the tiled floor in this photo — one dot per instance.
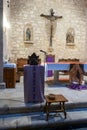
[12, 99]
[72, 95]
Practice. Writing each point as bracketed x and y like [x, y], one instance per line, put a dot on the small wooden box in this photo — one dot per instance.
[9, 77]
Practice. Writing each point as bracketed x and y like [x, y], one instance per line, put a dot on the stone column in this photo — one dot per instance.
[2, 84]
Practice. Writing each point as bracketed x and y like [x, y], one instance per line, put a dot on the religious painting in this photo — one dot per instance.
[28, 34]
[70, 35]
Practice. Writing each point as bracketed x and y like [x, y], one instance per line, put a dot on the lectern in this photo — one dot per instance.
[9, 74]
[33, 83]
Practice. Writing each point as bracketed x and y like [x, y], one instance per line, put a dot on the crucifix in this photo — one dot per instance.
[52, 18]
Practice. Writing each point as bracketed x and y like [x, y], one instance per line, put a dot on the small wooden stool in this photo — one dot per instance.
[59, 99]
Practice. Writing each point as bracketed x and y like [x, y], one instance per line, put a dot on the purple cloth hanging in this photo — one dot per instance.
[33, 83]
[50, 58]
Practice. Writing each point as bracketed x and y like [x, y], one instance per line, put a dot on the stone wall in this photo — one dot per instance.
[28, 12]
[6, 19]
[2, 84]
[1, 42]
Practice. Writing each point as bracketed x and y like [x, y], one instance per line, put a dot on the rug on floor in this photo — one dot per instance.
[77, 86]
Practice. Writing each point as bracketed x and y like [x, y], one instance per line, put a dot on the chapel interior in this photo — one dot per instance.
[40, 42]
[57, 28]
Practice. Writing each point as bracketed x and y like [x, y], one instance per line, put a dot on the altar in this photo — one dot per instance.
[9, 74]
[62, 66]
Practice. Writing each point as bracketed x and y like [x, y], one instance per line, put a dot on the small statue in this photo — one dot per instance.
[28, 34]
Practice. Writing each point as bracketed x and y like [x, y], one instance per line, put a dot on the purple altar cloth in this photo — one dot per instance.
[77, 86]
[50, 58]
[33, 83]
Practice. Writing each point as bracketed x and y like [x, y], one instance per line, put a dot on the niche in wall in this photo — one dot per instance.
[28, 33]
[70, 37]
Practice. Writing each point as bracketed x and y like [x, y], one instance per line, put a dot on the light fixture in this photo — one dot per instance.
[8, 2]
[6, 24]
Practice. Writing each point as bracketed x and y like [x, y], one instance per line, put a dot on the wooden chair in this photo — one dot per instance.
[20, 67]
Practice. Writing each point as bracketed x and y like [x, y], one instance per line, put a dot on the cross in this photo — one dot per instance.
[52, 18]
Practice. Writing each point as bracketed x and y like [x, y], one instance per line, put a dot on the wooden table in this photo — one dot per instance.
[58, 99]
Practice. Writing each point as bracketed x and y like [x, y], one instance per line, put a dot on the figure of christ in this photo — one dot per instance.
[52, 18]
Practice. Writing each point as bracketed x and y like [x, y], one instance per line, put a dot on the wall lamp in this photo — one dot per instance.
[8, 3]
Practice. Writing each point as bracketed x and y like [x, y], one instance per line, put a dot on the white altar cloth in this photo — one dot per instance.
[9, 65]
[63, 66]
[56, 67]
